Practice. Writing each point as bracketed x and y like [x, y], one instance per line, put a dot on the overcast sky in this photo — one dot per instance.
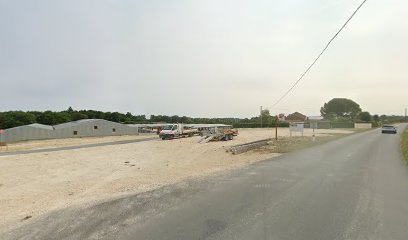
[213, 58]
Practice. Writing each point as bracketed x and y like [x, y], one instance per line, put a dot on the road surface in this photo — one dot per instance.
[352, 188]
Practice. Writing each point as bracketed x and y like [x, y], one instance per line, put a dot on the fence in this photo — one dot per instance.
[258, 125]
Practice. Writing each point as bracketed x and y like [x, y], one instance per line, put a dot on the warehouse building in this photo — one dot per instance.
[28, 132]
[80, 128]
[93, 128]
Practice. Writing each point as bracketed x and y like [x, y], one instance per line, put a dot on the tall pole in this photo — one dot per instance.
[261, 117]
[405, 114]
[276, 128]
[313, 136]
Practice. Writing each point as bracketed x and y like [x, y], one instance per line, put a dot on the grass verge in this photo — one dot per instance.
[289, 144]
[404, 144]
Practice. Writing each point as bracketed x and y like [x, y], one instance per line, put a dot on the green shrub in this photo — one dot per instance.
[375, 124]
[404, 144]
[342, 125]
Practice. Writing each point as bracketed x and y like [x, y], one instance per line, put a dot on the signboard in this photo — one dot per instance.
[296, 127]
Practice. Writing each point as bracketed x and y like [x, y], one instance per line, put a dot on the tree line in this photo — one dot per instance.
[343, 109]
[336, 110]
[19, 118]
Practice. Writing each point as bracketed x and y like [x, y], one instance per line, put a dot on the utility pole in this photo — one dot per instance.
[276, 128]
[261, 117]
[405, 114]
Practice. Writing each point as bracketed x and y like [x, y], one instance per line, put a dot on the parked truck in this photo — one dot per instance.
[176, 131]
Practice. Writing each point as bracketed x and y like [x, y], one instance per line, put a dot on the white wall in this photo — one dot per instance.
[363, 125]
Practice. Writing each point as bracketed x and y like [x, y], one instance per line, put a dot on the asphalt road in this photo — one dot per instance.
[352, 188]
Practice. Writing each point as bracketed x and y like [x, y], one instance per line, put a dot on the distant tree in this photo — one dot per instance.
[340, 108]
[70, 110]
[129, 118]
[160, 118]
[266, 117]
[376, 118]
[265, 113]
[365, 116]
[52, 118]
[23, 118]
[116, 117]
[139, 119]
[185, 119]
[17, 118]
[174, 119]
[94, 114]
[78, 116]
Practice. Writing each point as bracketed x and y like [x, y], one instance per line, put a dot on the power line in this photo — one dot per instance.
[321, 53]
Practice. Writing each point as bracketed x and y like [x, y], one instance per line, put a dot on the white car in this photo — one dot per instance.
[388, 129]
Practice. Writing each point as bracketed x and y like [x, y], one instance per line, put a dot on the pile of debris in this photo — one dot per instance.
[218, 134]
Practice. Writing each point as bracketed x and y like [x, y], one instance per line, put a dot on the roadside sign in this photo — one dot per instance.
[296, 127]
[313, 120]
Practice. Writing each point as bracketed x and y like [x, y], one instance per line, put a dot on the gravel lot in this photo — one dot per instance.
[56, 143]
[34, 184]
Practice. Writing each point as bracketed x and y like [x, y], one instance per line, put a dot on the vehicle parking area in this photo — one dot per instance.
[34, 184]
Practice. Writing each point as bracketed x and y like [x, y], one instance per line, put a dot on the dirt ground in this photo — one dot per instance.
[37, 183]
[55, 143]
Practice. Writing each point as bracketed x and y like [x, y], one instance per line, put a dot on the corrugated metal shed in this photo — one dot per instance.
[93, 128]
[81, 128]
[37, 125]
[28, 132]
